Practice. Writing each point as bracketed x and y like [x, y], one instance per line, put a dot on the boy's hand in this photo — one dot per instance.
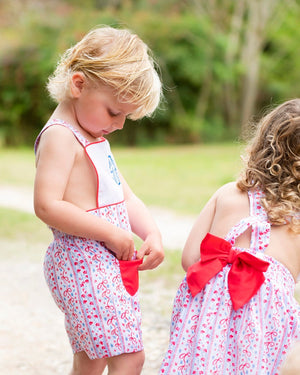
[152, 248]
[121, 243]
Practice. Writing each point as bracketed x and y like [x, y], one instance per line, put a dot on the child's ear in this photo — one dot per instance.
[76, 84]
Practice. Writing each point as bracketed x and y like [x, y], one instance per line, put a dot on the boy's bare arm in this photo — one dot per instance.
[143, 225]
[55, 159]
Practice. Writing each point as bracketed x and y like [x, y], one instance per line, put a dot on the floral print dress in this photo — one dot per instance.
[209, 336]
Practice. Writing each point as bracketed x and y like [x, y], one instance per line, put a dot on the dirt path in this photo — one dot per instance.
[32, 336]
[174, 228]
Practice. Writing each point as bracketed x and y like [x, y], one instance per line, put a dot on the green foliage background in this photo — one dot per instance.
[203, 91]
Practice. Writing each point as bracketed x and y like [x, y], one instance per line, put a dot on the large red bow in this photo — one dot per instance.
[244, 278]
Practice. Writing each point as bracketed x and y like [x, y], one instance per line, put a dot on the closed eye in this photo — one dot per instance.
[112, 113]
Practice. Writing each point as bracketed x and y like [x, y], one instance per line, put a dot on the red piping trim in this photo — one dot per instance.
[101, 139]
[107, 205]
[97, 197]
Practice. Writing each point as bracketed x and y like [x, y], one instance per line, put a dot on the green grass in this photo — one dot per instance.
[22, 236]
[17, 166]
[179, 178]
[17, 225]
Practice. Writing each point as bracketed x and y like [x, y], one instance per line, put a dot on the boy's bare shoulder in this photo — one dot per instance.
[58, 130]
[58, 135]
[57, 142]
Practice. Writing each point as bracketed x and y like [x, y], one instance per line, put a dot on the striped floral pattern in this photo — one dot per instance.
[101, 317]
[209, 337]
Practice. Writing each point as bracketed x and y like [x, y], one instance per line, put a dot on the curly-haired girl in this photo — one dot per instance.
[235, 311]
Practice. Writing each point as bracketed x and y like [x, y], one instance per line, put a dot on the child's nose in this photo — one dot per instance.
[119, 123]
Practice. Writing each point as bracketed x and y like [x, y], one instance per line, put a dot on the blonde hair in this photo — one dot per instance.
[273, 164]
[116, 58]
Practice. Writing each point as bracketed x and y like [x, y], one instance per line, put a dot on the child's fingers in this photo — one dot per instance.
[152, 260]
[142, 252]
[153, 255]
[127, 253]
[147, 264]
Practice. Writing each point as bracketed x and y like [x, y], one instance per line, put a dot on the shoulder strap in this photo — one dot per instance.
[256, 208]
[81, 139]
[258, 220]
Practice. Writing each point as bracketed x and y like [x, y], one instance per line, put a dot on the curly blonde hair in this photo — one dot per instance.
[116, 58]
[272, 164]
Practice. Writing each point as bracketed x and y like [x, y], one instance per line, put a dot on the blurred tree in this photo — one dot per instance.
[211, 54]
[221, 61]
[244, 23]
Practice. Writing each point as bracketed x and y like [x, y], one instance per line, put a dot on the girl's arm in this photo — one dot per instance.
[143, 225]
[202, 225]
[55, 158]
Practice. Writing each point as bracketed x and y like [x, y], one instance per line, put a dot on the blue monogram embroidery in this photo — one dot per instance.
[113, 170]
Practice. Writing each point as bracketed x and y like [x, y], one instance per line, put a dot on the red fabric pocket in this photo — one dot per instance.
[130, 274]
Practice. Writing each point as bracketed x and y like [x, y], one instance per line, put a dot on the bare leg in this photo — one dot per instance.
[82, 365]
[126, 364]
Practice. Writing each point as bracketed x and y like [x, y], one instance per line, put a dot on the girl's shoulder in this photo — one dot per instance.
[230, 191]
[230, 197]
